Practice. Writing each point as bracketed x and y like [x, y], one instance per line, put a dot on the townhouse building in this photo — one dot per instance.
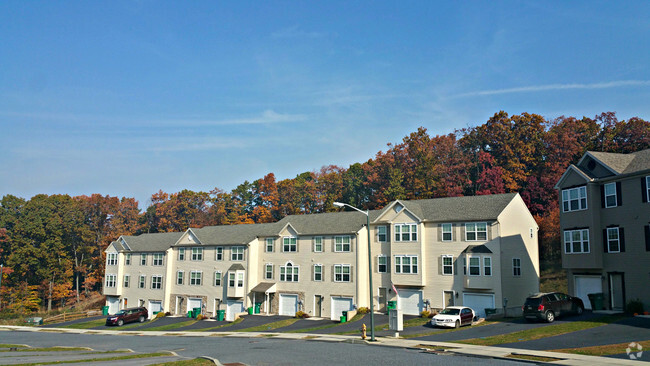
[604, 220]
[477, 251]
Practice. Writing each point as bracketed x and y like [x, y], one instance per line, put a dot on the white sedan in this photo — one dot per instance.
[454, 317]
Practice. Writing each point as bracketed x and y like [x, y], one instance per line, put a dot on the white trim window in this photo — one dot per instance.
[613, 240]
[269, 245]
[181, 254]
[268, 271]
[342, 273]
[475, 231]
[237, 253]
[231, 279]
[447, 265]
[289, 244]
[447, 234]
[516, 267]
[217, 278]
[158, 259]
[143, 259]
[111, 259]
[487, 266]
[127, 259]
[196, 278]
[318, 272]
[574, 199]
[289, 272]
[406, 232]
[576, 241]
[142, 281]
[342, 244]
[240, 279]
[218, 253]
[382, 233]
[156, 282]
[406, 264]
[111, 279]
[647, 189]
[611, 198]
[318, 244]
[474, 266]
[180, 277]
[382, 264]
[197, 254]
[127, 280]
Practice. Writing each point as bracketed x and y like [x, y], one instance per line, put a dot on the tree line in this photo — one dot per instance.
[52, 246]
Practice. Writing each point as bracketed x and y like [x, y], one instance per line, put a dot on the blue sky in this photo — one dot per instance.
[128, 97]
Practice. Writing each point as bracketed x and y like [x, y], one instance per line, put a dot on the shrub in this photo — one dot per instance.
[635, 307]
[200, 317]
[363, 310]
[168, 313]
[427, 314]
[160, 315]
[302, 314]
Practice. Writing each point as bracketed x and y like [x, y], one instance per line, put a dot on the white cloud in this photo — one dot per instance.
[538, 88]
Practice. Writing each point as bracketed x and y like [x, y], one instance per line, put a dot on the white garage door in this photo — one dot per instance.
[479, 302]
[154, 307]
[410, 301]
[339, 305]
[113, 304]
[233, 308]
[587, 285]
[288, 304]
[193, 303]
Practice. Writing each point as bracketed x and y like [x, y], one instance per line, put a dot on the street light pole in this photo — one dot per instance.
[372, 302]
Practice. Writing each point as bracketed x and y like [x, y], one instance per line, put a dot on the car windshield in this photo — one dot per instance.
[450, 311]
[121, 312]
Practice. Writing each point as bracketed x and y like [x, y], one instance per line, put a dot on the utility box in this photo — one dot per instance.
[395, 320]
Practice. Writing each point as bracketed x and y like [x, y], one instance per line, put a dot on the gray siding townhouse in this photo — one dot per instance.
[475, 251]
[604, 218]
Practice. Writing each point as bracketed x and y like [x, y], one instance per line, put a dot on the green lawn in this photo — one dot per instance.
[85, 325]
[270, 326]
[606, 350]
[170, 326]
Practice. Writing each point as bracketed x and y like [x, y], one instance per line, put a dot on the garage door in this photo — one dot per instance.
[233, 308]
[154, 307]
[339, 305]
[587, 285]
[410, 301]
[479, 302]
[193, 303]
[113, 304]
[288, 304]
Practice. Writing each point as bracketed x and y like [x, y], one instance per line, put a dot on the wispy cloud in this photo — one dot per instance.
[538, 88]
[296, 32]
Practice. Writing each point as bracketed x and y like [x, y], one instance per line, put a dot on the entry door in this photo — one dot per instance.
[616, 292]
[449, 298]
[382, 299]
[318, 305]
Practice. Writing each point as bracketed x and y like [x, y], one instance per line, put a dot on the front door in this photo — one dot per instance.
[616, 291]
[382, 299]
[318, 305]
[449, 298]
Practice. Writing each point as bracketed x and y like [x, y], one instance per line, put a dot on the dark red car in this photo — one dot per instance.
[130, 315]
[548, 306]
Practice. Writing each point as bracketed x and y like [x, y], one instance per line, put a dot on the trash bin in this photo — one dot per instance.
[104, 310]
[190, 314]
[250, 310]
[345, 314]
[343, 319]
[258, 306]
[196, 312]
[596, 300]
[221, 315]
[392, 305]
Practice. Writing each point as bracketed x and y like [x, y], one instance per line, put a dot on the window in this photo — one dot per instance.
[610, 195]
[127, 280]
[341, 273]
[197, 254]
[406, 264]
[110, 280]
[240, 279]
[475, 231]
[447, 265]
[382, 234]
[487, 266]
[180, 275]
[268, 271]
[576, 241]
[574, 199]
[237, 254]
[289, 272]
[516, 267]
[142, 282]
[382, 264]
[289, 244]
[613, 240]
[269, 245]
[156, 282]
[446, 232]
[318, 272]
[218, 253]
[143, 259]
[127, 259]
[532, 234]
[342, 244]
[231, 279]
[196, 278]
[217, 278]
[406, 232]
[318, 244]
[111, 259]
[158, 259]
[646, 190]
[474, 266]
[181, 254]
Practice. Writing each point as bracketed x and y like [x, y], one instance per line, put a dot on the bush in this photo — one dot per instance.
[160, 315]
[635, 307]
[168, 313]
[302, 314]
[427, 314]
[363, 310]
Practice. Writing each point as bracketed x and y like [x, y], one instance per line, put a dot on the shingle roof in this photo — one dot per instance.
[234, 234]
[327, 223]
[157, 242]
[624, 163]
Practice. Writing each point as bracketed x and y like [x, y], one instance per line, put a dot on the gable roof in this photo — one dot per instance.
[157, 242]
[622, 163]
[233, 234]
[346, 222]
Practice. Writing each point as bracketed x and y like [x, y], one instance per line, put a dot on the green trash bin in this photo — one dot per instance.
[596, 300]
[104, 310]
[258, 306]
[250, 310]
[343, 319]
[190, 314]
[196, 312]
[345, 314]
[221, 315]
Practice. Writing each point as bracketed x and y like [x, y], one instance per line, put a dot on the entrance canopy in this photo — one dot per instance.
[265, 287]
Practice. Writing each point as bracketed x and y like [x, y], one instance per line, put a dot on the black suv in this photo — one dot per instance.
[139, 314]
[546, 306]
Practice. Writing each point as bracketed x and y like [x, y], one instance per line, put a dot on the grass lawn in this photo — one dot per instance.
[542, 332]
[194, 362]
[171, 326]
[270, 326]
[307, 330]
[50, 349]
[606, 350]
[85, 325]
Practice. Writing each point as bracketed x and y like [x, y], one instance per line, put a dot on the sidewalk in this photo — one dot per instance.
[438, 347]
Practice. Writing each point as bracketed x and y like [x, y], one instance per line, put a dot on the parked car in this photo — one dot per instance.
[454, 316]
[130, 315]
[548, 306]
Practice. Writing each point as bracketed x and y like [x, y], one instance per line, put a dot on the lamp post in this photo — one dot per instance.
[372, 303]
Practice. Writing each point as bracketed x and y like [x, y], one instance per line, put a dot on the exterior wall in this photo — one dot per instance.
[406, 248]
[116, 270]
[133, 293]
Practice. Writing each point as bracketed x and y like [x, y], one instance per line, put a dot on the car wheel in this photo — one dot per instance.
[457, 324]
[550, 316]
[141, 319]
[120, 323]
